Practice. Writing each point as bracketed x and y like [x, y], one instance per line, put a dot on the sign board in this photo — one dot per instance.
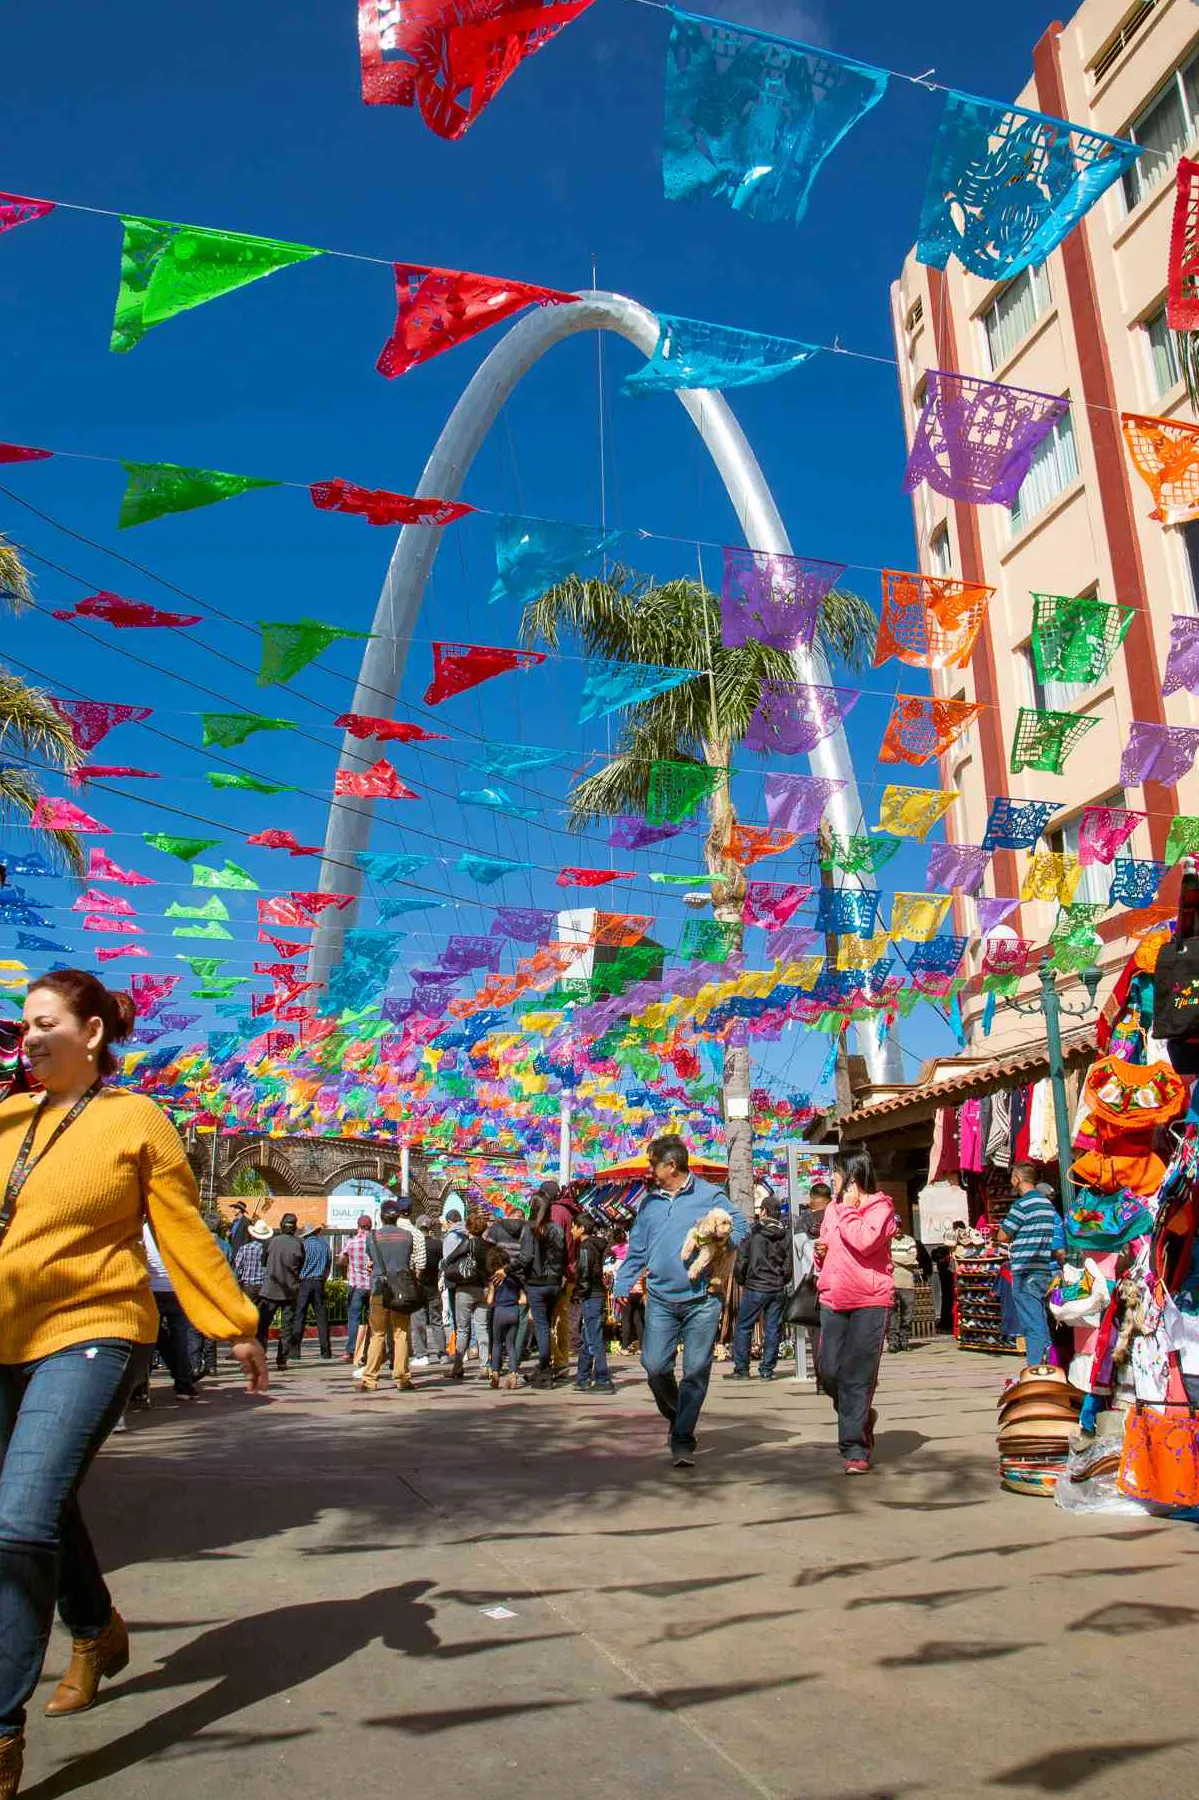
[343, 1211]
[939, 1205]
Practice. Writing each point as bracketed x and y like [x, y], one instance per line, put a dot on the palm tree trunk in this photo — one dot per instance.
[728, 902]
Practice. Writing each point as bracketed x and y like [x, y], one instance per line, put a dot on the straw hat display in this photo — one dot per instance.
[1038, 1416]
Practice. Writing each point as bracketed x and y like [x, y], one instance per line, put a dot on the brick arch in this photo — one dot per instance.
[268, 1162]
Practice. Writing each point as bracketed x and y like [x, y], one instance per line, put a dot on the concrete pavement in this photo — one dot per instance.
[457, 1592]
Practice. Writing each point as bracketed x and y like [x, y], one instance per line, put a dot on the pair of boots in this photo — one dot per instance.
[93, 1660]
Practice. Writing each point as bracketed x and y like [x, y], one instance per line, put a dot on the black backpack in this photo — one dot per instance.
[1176, 990]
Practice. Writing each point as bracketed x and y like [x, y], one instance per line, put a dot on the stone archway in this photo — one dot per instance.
[263, 1160]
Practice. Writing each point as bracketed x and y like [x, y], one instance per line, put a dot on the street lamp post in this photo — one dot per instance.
[1050, 1005]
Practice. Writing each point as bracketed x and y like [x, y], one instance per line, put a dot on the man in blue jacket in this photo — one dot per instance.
[677, 1309]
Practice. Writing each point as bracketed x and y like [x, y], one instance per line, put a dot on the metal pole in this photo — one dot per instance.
[405, 1167]
[1057, 1077]
[565, 1146]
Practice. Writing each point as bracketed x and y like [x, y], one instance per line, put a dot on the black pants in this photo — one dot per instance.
[851, 1347]
[311, 1294]
[174, 1342]
[504, 1322]
[632, 1321]
[266, 1318]
[899, 1331]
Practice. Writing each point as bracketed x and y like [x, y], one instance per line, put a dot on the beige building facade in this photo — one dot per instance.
[1089, 324]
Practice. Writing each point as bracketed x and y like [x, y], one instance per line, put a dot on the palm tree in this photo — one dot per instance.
[30, 727]
[626, 617]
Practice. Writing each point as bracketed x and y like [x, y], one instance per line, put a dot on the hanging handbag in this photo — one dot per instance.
[803, 1308]
[399, 1289]
[1176, 989]
[1159, 1461]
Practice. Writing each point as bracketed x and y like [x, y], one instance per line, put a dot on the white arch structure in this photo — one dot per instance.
[386, 654]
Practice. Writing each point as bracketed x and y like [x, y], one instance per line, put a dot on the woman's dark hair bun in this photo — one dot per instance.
[124, 1014]
[88, 998]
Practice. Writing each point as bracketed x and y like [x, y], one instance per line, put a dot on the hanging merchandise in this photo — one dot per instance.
[1161, 753]
[918, 917]
[748, 844]
[960, 868]
[167, 268]
[921, 728]
[1182, 292]
[975, 440]
[912, 812]
[690, 353]
[451, 57]
[534, 555]
[1135, 883]
[792, 717]
[458, 667]
[612, 686]
[1007, 185]
[750, 118]
[379, 507]
[1103, 830]
[773, 599]
[92, 720]
[1182, 839]
[18, 209]
[1016, 824]
[1051, 875]
[1044, 740]
[677, 790]
[930, 621]
[1165, 453]
[859, 855]
[1124, 1104]
[288, 648]
[797, 802]
[847, 910]
[125, 613]
[224, 731]
[439, 308]
[154, 489]
[1075, 639]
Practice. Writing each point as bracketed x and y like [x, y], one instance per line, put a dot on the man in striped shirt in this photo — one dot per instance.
[357, 1266]
[1028, 1230]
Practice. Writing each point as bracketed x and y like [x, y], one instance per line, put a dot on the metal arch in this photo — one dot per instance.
[386, 653]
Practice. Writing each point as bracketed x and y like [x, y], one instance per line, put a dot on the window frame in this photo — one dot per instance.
[1062, 428]
[1170, 350]
[1133, 184]
[1036, 279]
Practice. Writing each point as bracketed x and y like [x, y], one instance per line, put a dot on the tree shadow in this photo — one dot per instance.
[1062, 1770]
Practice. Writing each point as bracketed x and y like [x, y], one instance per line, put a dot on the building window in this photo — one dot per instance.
[1119, 41]
[1054, 466]
[915, 313]
[1096, 878]
[1013, 313]
[939, 553]
[1165, 370]
[1166, 126]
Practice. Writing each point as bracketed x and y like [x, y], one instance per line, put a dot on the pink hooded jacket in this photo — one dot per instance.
[857, 1268]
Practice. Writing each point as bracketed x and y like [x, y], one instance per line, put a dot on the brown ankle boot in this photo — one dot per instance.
[12, 1758]
[92, 1659]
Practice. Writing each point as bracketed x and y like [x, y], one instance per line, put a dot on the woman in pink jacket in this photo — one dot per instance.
[856, 1294]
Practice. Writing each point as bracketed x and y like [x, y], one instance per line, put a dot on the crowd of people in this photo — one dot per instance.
[106, 1257]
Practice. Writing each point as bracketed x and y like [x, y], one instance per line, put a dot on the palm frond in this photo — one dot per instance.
[30, 725]
[19, 795]
[846, 630]
[16, 587]
[619, 787]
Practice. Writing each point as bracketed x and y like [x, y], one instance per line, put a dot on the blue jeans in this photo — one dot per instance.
[357, 1308]
[593, 1352]
[1029, 1291]
[667, 1322]
[755, 1305]
[542, 1301]
[54, 1416]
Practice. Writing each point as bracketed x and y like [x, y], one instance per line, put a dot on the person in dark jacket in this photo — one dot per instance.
[280, 1285]
[463, 1258]
[396, 1247]
[239, 1227]
[428, 1328]
[542, 1258]
[564, 1212]
[763, 1269]
[591, 1247]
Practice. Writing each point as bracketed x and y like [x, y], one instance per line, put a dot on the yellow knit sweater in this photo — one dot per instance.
[72, 1265]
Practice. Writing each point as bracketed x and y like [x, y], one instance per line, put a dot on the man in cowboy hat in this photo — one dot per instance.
[239, 1227]
[280, 1285]
[249, 1265]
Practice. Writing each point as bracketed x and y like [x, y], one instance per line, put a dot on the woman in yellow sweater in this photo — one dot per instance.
[81, 1167]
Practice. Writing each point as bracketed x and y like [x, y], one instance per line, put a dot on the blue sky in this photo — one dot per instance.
[251, 119]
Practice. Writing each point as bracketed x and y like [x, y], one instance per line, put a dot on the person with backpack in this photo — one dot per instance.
[397, 1256]
[763, 1269]
[428, 1328]
[591, 1247]
[543, 1265]
[463, 1264]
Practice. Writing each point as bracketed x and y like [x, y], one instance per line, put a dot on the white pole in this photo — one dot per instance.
[564, 1141]
[404, 1170]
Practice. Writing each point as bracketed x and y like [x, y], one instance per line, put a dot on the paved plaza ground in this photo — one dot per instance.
[315, 1582]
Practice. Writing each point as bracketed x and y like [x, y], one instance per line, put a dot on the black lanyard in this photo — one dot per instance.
[24, 1166]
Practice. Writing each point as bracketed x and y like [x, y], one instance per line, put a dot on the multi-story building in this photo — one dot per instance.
[1089, 324]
